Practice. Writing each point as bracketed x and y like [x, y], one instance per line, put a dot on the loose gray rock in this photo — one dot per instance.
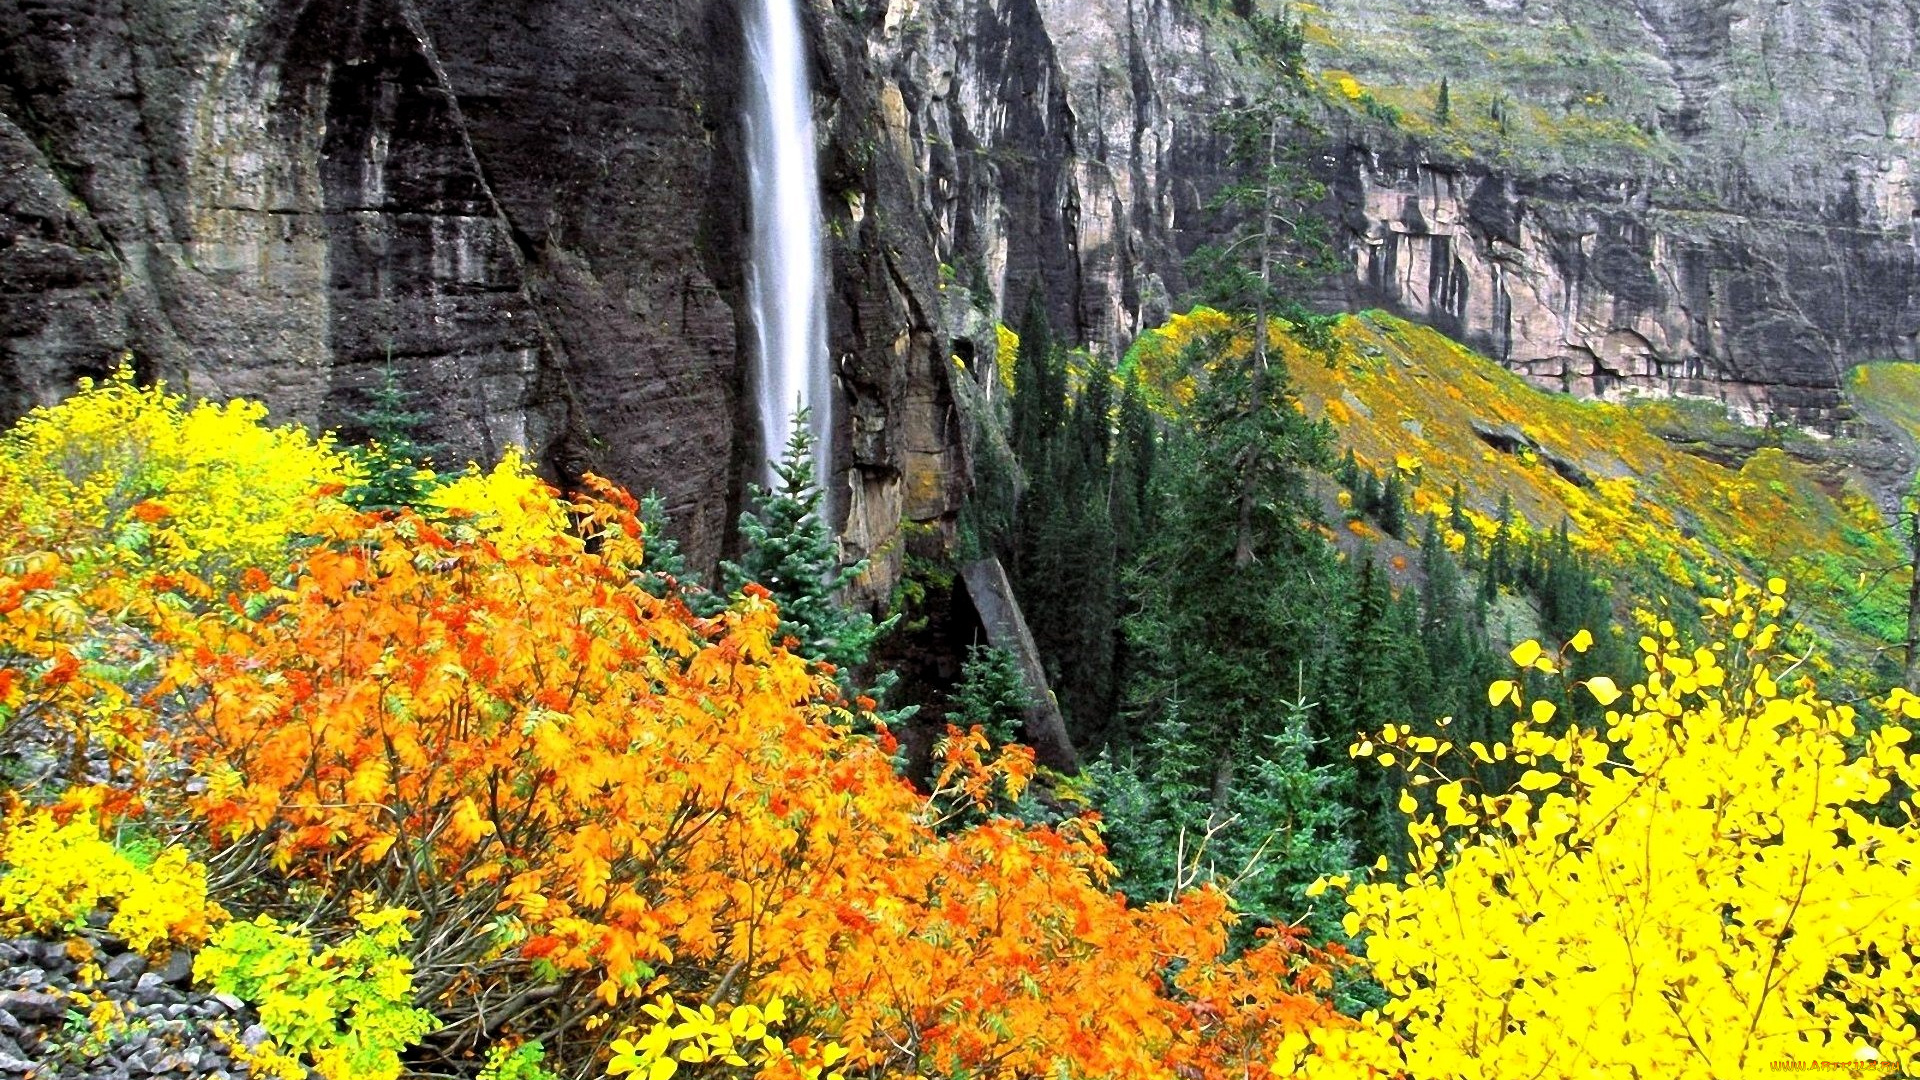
[178, 969]
[31, 1006]
[125, 967]
[149, 989]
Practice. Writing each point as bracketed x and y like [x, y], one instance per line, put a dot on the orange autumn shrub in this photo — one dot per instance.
[594, 797]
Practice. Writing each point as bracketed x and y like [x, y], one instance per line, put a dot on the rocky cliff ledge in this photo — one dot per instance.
[1704, 197]
[533, 213]
[1592, 288]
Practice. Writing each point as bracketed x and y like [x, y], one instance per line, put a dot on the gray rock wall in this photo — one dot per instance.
[1764, 244]
[1595, 289]
[533, 211]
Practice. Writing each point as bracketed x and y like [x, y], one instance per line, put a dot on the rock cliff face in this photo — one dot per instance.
[1059, 147]
[533, 211]
[280, 198]
[1715, 199]
[1709, 197]
[1590, 289]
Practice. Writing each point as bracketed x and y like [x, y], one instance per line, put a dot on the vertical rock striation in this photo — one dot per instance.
[1593, 288]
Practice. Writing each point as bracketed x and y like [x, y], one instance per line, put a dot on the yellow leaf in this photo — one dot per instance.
[1525, 653]
[1542, 711]
[1501, 691]
[1582, 641]
[377, 848]
[1535, 780]
[1603, 690]
[1407, 803]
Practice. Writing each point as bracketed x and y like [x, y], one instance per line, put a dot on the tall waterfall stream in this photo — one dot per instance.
[786, 277]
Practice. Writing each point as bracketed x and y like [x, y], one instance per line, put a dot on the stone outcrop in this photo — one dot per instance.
[1595, 291]
[1060, 147]
[991, 595]
[1065, 146]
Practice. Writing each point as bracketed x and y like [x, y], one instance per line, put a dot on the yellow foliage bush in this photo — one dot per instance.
[346, 1008]
[507, 505]
[739, 1037]
[1006, 354]
[214, 488]
[1154, 357]
[1709, 881]
[56, 874]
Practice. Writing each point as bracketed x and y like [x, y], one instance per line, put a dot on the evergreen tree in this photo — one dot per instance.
[1280, 243]
[987, 518]
[1392, 514]
[1369, 496]
[1132, 513]
[1039, 388]
[397, 466]
[1501, 562]
[664, 571]
[1443, 107]
[1092, 421]
[1373, 669]
[1081, 493]
[1349, 474]
[790, 551]
[1234, 582]
[1067, 571]
[1460, 659]
[1132, 474]
[992, 693]
[1447, 627]
[1279, 828]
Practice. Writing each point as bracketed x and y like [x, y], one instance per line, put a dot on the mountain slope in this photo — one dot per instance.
[1670, 493]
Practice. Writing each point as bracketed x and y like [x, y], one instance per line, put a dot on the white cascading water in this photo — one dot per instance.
[784, 279]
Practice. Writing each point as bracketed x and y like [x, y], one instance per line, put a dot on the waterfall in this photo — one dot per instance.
[785, 277]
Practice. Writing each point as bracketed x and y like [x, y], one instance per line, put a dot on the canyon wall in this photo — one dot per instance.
[1594, 289]
[532, 211]
[1758, 239]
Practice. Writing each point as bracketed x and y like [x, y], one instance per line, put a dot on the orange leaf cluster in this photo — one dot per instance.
[582, 786]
